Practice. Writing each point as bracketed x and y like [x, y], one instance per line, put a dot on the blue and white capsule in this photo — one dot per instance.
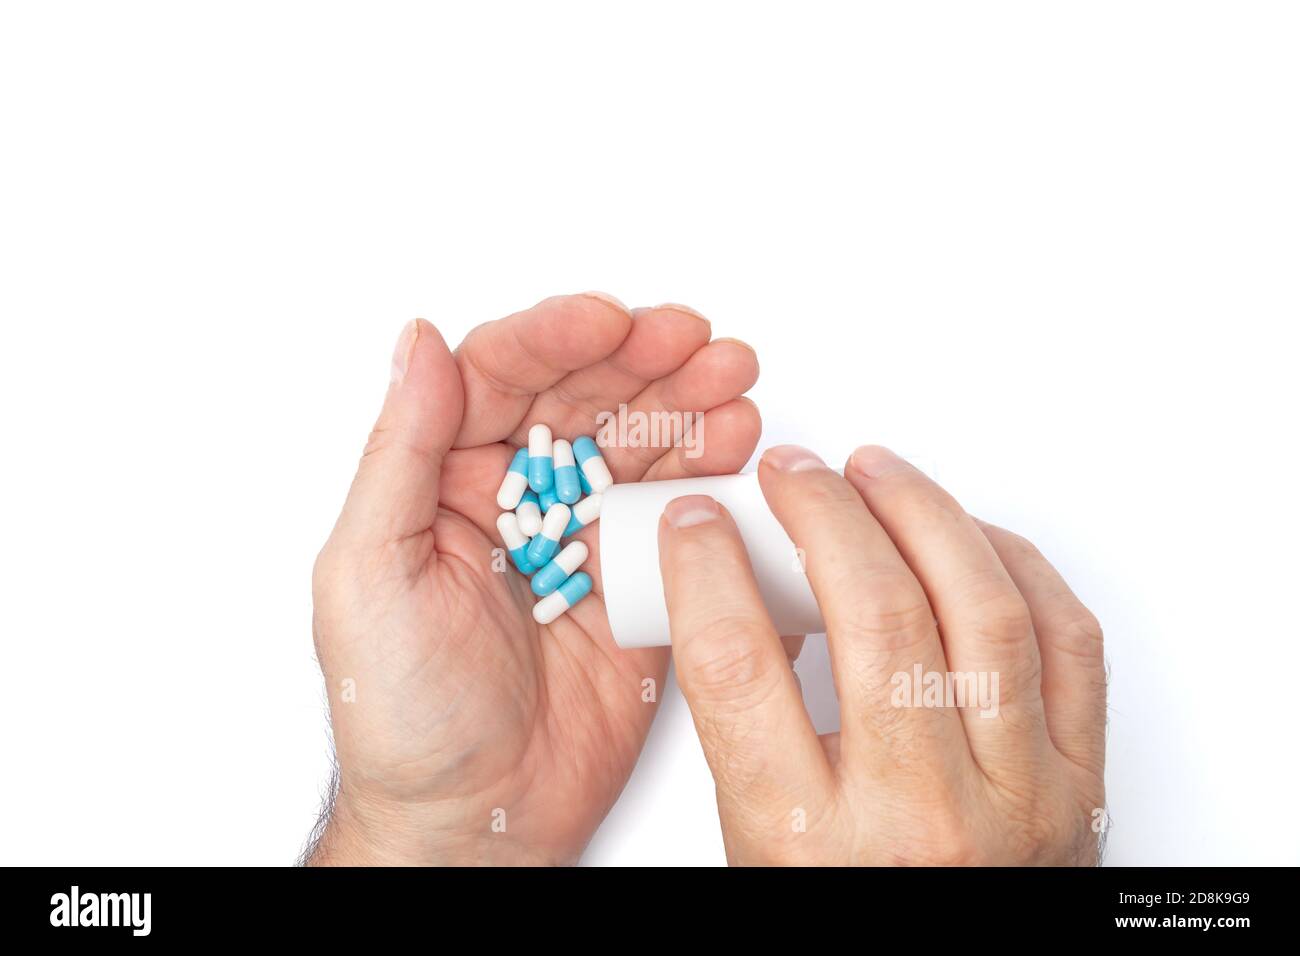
[529, 514]
[541, 469]
[568, 487]
[547, 498]
[516, 542]
[586, 485]
[582, 514]
[577, 587]
[547, 541]
[561, 566]
[592, 464]
[515, 483]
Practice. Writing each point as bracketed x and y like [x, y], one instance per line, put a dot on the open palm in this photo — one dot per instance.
[464, 730]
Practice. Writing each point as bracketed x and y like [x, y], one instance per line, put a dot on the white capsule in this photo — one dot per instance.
[555, 521]
[508, 525]
[571, 556]
[547, 541]
[592, 464]
[556, 572]
[530, 514]
[540, 444]
[541, 470]
[582, 514]
[549, 608]
[568, 483]
[515, 483]
[577, 587]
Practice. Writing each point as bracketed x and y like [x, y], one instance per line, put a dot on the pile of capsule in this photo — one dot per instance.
[542, 495]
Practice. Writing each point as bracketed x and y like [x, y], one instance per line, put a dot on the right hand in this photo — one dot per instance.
[904, 577]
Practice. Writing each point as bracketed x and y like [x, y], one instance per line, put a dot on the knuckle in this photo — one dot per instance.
[891, 612]
[1077, 632]
[900, 632]
[894, 630]
[942, 838]
[1020, 545]
[1039, 824]
[959, 849]
[922, 503]
[1043, 835]
[999, 612]
[1031, 839]
[385, 442]
[377, 441]
[729, 662]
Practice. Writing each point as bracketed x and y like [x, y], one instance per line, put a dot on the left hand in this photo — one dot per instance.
[465, 732]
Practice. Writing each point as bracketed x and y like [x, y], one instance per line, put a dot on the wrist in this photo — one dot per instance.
[362, 831]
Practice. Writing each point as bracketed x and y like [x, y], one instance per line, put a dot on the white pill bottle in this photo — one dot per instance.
[629, 556]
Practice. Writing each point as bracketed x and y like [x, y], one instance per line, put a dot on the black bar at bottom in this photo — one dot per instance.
[548, 906]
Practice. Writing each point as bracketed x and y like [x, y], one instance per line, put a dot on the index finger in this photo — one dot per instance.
[505, 363]
[733, 670]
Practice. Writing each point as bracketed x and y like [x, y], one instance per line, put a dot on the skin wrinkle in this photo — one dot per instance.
[501, 385]
[705, 464]
[587, 406]
[468, 359]
[498, 380]
[1075, 633]
[694, 466]
[584, 406]
[661, 396]
[738, 666]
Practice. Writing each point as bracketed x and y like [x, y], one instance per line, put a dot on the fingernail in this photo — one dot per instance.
[690, 510]
[875, 461]
[677, 307]
[402, 353]
[743, 345]
[792, 458]
[606, 298]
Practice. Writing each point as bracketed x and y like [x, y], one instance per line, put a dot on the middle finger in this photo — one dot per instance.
[879, 626]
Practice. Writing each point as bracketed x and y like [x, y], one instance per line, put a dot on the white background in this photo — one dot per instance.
[1050, 251]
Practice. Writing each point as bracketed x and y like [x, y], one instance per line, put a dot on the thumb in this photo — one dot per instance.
[395, 492]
